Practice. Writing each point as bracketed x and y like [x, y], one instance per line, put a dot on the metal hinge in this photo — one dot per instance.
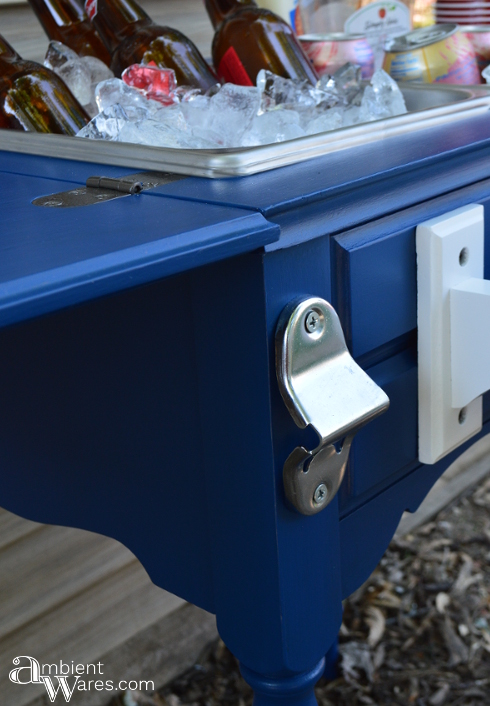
[322, 386]
[99, 189]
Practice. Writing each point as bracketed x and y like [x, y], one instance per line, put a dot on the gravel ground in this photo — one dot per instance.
[418, 632]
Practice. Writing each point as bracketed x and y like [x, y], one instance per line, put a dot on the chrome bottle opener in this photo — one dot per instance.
[322, 386]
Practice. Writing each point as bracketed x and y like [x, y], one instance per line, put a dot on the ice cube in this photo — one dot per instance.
[106, 125]
[153, 82]
[329, 120]
[98, 70]
[159, 134]
[345, 83]
[78, 78]
[382, 99]
[198, 117]
[165, 128]
[274, 126]
[173, 117]
[224, 118]
[239, 103]
[80, 73]
[133, 101]
[195, 109]
[57, 55]
[150, 132]
[351, 115]
[184, 94]
[278, 91]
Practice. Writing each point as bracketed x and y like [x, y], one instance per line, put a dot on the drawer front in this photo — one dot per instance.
[375, 284]
[375, 293]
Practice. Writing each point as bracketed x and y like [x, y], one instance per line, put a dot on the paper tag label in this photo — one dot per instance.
[91, 8]
[232, 70]
[379, 21]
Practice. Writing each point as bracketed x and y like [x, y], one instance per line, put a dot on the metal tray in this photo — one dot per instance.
[428, 106]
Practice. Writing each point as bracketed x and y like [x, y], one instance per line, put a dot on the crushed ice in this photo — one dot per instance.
[81, 74]
[146, 107]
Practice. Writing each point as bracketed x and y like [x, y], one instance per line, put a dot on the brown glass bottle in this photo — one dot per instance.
[65, 21]
[249, 39]
[34, 98]
[133, 38]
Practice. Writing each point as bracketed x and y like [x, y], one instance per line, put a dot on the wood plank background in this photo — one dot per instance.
[73, 595]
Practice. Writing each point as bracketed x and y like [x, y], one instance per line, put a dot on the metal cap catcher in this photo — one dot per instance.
[322, 386]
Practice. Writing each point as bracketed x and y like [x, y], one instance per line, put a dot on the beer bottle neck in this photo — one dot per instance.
[7, 53]
[114, 19]
[219, 9]
[59, 13]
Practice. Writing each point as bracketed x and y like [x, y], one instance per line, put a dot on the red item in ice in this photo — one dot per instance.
[157, 84]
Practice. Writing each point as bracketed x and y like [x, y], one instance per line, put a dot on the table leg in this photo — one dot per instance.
[284, 690]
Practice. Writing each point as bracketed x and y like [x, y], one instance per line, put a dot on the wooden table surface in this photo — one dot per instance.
[20, 27]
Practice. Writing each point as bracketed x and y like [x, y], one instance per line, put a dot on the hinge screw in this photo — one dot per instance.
[320, 494]
[312, 321]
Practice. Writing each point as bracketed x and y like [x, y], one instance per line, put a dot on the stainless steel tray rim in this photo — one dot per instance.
[243, 161]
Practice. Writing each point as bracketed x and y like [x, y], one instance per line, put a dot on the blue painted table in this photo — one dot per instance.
[138, 388]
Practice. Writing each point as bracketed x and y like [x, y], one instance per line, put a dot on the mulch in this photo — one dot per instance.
[418, 632]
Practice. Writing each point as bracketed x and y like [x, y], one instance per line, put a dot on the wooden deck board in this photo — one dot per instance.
[13, 528]
[85, 627]
[45, 569]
